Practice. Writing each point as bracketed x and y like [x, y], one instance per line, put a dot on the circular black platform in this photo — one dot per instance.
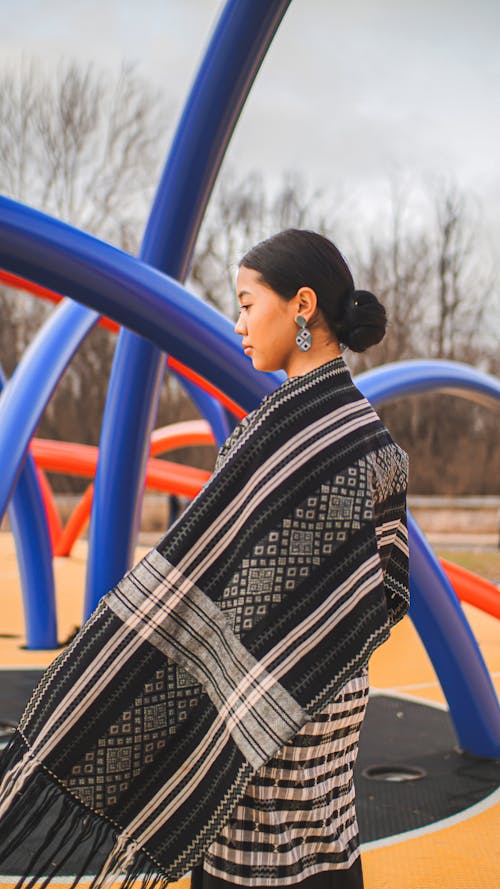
[398, 736]
[399, 733]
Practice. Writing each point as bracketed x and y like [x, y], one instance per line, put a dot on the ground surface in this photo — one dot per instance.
[485, 562]
[461, 852]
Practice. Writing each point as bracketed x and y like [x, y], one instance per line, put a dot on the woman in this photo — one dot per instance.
[207, 715]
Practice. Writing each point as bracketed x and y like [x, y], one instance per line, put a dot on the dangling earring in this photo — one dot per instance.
[303, 338]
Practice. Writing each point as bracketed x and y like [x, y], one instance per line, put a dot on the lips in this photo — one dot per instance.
[247, 349]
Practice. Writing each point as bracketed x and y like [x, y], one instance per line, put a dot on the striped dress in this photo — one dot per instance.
[297, 819]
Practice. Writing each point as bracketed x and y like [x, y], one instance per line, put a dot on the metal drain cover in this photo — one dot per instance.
[393, 773]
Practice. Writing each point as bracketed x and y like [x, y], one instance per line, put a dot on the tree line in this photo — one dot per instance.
[89, 148]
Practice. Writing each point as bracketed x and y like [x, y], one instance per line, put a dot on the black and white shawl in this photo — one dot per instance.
[267, 595]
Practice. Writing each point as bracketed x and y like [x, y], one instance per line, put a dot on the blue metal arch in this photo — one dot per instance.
[417, 376]
[450, 643]
[239, 43]
[435, 610]
[34, 555]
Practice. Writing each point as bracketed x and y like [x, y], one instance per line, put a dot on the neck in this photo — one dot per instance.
[303, 362]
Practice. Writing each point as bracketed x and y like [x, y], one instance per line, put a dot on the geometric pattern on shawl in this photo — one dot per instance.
[265, 597]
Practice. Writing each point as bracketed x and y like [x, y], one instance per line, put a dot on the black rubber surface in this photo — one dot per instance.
[396, 734]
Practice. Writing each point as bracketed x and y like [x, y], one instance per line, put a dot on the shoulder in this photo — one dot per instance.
[387, 470]
[232, 439]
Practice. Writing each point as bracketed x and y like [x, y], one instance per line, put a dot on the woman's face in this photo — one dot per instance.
[266, 322]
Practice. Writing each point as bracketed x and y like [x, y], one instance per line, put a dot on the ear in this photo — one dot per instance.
[306, 302]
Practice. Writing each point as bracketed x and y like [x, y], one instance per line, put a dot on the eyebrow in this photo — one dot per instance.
[243, 293]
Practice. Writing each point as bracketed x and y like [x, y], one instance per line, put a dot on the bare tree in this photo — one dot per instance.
[87, 148]
[83, 146]
[423, 265]
[436, 288]
[397, 271]
[462, 288]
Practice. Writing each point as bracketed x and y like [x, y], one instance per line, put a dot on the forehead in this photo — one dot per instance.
[249, 281]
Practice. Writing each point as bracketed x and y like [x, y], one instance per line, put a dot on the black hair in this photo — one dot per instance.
[297, 258]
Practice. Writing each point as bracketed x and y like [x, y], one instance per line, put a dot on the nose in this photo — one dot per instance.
[239, 327]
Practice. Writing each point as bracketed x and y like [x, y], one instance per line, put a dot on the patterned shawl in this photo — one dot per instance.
[266, 596]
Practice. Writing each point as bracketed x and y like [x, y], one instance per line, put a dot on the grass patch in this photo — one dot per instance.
[486, 563]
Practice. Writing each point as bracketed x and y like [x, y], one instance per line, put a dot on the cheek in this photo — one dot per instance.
[278, 340]
[269, 328]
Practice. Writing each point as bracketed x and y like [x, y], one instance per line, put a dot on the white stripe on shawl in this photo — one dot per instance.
[387, 528]
[320, 425]
[401, 540]
[95, 687]
[303, 630]
[285, 395]
[257, 681]
[238, 511]
[156, 609]
[279, 671]
[206, 753]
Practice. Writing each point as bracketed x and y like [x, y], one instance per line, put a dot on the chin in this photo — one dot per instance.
[255, 361]
[261, 364]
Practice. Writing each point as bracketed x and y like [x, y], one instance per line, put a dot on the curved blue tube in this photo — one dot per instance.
[209, 408]
[34, 555]
[435, 609]
[453, 650]
[233, 57]
[213, 412]
[133, 294]
[32, 384]
[124, 447]
[239, 43]
[383, 384]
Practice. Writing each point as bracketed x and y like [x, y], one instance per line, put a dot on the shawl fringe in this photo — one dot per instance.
[73, 827]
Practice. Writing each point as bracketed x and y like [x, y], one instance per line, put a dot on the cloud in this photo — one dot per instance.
[347, 93]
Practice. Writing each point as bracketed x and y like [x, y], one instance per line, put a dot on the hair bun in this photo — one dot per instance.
[364, 321]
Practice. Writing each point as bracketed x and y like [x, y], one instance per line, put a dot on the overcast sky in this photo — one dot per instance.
[350, 94]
